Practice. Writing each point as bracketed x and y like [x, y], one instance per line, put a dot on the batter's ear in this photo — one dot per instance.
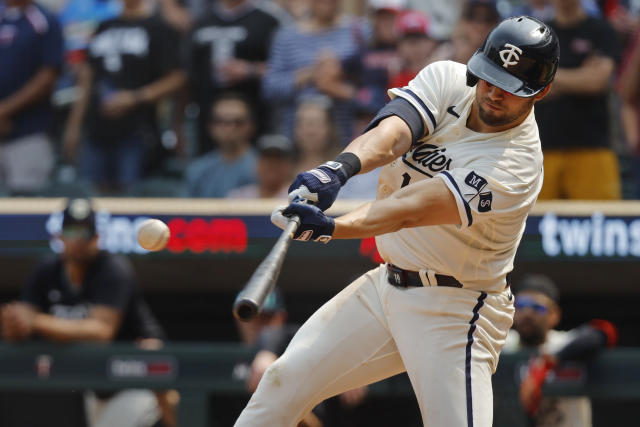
[543, 92]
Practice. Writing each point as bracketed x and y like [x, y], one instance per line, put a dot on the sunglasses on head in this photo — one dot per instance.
[522, 303]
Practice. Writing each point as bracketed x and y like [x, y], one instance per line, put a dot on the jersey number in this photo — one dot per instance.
[405, 179]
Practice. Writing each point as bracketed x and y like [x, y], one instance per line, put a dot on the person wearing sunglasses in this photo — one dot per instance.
[231, 163]
[537, 314]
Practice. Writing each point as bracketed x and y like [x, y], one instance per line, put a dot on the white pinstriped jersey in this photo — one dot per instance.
[495, 178]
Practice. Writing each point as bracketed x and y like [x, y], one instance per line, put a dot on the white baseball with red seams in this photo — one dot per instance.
[153, 235]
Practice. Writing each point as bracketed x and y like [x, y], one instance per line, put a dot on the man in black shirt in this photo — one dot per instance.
[83, 295]
[229, 48]
[574, 119]
[132, 64]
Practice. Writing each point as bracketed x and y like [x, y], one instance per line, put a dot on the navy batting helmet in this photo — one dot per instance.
[520, 55]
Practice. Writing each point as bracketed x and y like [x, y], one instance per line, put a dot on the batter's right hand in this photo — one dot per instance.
[320, 185]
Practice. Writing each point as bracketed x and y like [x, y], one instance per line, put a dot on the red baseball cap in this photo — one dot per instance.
[412, 23]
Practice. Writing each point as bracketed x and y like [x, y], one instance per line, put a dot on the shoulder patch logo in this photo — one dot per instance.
[484, 202]
[510, 55]
[451, 111]
[475, 181]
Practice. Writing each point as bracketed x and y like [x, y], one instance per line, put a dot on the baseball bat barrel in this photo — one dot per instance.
[251, 298]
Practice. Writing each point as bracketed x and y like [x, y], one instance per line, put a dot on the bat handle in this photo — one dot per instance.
[292, 226]
[249, 302]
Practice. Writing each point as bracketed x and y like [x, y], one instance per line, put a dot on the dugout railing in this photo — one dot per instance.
[197, 369]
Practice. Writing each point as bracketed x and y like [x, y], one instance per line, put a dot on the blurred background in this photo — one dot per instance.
[200, 113]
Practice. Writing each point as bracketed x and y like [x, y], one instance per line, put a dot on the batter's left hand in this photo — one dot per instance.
[314, 224]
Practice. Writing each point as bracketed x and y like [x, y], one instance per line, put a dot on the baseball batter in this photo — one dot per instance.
[463, 167]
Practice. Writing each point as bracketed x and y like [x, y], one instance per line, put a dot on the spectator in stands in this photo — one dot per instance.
[377, 60]
[133, 63]
[574, 120]
[232, 163]
[315, 133]
[628, 86]
[444, 15]
[274, 170]
[537, 313]
[177, 13]
[293, 10]
[478, 18]
[30, 60]
[88, 295]
[539, 9]
[624, 16]
[79, 20]
[415, 47]
[544, 11]
[229, 49]
[481, 16]
[307, 59]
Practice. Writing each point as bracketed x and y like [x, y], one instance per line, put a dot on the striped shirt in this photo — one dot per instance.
[294, 49]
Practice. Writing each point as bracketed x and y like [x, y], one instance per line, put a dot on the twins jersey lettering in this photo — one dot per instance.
[495, 178]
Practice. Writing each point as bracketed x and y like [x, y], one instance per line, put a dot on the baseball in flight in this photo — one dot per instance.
[153, 235]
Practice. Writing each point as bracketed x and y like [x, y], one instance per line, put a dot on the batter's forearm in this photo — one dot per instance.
[382, 144]
[365, 221]
[427, 202]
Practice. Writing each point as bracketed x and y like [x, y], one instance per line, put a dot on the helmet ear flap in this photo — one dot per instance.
[471, 79]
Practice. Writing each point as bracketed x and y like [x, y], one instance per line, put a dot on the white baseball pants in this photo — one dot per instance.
[447, 339]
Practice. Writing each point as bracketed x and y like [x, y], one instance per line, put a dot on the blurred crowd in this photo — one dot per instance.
[232, 98]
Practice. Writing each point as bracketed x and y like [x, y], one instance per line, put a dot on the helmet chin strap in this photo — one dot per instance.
[471, 79]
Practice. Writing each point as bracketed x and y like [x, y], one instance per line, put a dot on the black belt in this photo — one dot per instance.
[405, 278]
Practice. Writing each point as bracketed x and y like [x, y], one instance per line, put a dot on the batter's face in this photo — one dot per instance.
[498, 110]
[535, 315]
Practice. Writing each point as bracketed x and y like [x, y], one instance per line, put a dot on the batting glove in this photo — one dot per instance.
[320, 185]
[314, 224]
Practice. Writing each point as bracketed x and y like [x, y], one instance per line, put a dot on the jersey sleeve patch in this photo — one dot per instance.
[474, 180]
[463, 207]
[478, 183]
[484, 202]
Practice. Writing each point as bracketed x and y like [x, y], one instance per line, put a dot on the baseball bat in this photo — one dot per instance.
[251, 298]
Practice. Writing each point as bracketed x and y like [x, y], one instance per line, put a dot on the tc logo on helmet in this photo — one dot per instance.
[513, 52]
